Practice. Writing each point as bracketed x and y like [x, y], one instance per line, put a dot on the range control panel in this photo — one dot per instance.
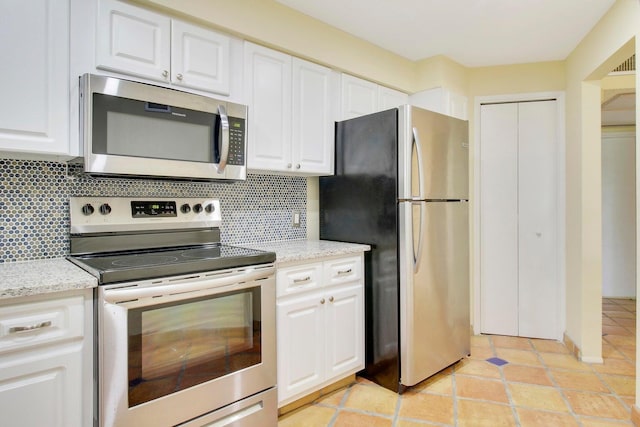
[107, 214]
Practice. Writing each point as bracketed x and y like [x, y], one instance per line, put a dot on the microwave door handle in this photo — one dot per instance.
[224, 134]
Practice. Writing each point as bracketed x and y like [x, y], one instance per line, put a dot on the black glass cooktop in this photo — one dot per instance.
[149, 264]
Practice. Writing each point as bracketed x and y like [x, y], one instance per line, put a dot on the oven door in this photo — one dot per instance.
[173, 351]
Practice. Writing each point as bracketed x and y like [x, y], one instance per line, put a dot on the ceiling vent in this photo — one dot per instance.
[627, 66]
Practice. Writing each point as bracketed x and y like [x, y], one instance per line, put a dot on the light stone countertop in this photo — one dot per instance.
[19, 279]
[307, 250]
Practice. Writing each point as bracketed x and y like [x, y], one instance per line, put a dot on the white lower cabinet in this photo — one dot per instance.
[45, 362]
[320, 321]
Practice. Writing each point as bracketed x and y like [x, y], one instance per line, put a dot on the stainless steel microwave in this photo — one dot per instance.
[136, 129]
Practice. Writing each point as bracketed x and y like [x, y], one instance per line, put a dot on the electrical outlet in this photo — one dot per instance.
[296, 219]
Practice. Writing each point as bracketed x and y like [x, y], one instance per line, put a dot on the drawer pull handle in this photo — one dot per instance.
[330, 299]
[343, 272]
[304, 279]
[40, 325]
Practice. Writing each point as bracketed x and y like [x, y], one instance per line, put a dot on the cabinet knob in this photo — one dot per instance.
[322, 301]
[298, 166]
[330, 299]
[288, 165]
[165, 74]
[179, 77]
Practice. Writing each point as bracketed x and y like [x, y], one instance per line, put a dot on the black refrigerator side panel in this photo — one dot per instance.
[359, 205]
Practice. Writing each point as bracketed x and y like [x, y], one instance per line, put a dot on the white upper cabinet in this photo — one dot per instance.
[290, 113]
[146, 44]
[361, 97]
[441, 100]
[34, 77]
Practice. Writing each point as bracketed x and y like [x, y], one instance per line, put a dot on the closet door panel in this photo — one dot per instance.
[537, 225]
[499, 219]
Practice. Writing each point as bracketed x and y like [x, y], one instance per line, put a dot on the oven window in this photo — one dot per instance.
[176, 346]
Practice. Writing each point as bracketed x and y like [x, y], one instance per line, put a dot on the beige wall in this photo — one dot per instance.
[608, 44]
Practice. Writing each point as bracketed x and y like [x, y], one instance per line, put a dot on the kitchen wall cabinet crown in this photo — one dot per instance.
[143, 43]
[320, 321]
[360, 97]
[291, 113]
[34, 45]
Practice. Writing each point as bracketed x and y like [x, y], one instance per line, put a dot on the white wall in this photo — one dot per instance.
[618, 213]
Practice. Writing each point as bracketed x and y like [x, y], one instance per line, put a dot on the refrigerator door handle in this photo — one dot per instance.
[418, 146]
[417, 254]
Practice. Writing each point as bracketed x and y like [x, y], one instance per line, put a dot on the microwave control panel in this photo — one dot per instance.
[237, 141]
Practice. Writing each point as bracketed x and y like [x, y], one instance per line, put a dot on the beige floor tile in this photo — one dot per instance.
[518, 357]
[531, 418]
[573, 380]
[590, 422]
[372, 399]
[526, 374]
[620, 313]
[549, 346]
[407, 423]
[480, 368]
[563, 361]
[473, 413]
[618, 340]
[482, 353]
[627, 351]
[480, 341]
[596, 405]
[537, 397]
[511, 342]
[427, 407]
[355, 419]
[616, 367]
[609, 351]
[311, 416]
[481, 388]
[624, 322]
[615, 330]
[611, 322]
[440, 383]
[621, 385]
[334, 398]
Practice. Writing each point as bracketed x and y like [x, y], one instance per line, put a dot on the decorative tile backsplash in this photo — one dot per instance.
[34, 206]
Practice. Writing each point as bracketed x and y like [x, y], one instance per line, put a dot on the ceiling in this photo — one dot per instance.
[473, 33]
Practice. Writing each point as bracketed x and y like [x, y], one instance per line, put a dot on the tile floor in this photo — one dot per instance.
[541, 385]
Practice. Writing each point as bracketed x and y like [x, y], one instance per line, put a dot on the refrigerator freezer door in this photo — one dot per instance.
[434, 299]
[434, 151]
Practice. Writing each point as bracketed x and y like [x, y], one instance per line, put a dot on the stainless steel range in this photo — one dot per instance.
[185, 324]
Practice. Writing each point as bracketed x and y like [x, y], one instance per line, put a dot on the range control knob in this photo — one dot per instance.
[185, 208]
[197, 208]
[209, 208]
[87, 209]
[105, 209]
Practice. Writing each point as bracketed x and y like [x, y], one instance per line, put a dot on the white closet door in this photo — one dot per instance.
[537, 220]
[499, 219]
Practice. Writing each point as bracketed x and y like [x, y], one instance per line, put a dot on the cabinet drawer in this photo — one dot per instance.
[291, 280]
[26, 325]
[342, 270]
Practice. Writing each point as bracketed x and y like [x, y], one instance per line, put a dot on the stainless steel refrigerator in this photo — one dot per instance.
[401, 186]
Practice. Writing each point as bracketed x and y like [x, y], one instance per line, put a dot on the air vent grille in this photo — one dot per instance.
[626, 66]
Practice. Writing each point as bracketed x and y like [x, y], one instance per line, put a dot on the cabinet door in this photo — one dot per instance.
[133, 40]
[344, 329]
[199, 58]
[313, 123]
[34, 76]
[359, 97]
[499, 219]
[268, 94]
[390, 98]
[300, 325]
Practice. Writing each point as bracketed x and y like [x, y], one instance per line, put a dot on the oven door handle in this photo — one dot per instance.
[134, 296]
